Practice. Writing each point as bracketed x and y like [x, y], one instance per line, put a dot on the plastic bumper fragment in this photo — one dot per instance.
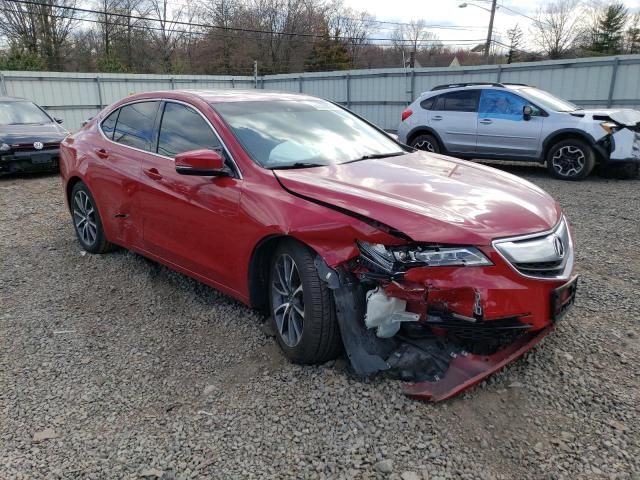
[466, 371]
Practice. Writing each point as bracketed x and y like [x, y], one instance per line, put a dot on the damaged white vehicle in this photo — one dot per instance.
[519, 122]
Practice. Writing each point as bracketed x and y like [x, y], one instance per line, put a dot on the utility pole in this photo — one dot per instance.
[255, 74]
[487, 47]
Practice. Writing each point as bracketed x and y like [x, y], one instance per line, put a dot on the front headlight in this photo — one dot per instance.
[396, 258]
[4, 147]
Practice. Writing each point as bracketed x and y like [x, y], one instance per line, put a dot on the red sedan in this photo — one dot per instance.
[436, 270]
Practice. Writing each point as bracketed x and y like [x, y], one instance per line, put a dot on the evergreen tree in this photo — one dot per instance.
[609, 32]
[515, 40]
[328, 54]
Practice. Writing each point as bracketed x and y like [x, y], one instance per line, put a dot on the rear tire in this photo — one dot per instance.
[302, 309]
[571, 159]
[426, 142]
[86, 220]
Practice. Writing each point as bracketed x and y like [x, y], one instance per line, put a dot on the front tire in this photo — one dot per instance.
[571, 159]
[302, 310]
[426, 142]
[86, 220]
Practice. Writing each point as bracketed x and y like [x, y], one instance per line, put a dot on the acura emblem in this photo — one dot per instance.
[558, 245]
[38, 145]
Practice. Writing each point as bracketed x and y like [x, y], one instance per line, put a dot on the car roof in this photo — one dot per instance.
[440, 89]
[229, 95]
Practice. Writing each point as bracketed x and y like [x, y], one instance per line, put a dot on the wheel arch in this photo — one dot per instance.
[422, 130]
[258, 271]
[566, 134]
[72, 182]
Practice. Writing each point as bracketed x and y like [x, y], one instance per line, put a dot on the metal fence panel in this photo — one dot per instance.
[379, 95]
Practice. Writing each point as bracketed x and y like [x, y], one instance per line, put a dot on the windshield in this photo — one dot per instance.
[548, 101]
[305, 133]
[22, 113]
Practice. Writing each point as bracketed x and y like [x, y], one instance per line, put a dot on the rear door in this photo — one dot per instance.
[454, 117]
[502, 129]
[116, 155]
[190, 221]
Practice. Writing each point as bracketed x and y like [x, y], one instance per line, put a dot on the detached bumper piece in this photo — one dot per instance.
[467, 370]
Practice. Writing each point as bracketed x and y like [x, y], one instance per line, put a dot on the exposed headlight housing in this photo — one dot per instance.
[399, 258]
[610, 127]
[4, 147]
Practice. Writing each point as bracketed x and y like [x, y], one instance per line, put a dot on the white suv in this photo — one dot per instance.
[519, 122]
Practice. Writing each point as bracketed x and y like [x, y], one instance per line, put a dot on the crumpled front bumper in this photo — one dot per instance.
[625, 146]
[468, 370]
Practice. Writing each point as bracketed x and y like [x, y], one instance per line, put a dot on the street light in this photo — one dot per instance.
[489, 33]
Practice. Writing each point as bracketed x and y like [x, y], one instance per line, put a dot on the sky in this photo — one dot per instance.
[447, 13]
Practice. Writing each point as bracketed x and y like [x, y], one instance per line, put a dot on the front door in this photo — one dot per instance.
[190, 221]
[502, 128]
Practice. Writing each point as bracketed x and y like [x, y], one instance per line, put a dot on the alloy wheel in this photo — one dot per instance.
[425, 145]
[84, 218]
[568, 161]
[287, 300]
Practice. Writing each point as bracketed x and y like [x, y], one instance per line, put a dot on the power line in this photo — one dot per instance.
[213, 27]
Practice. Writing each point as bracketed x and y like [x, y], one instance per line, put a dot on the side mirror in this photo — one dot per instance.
[527, 111]
[58, 120]
[205, 163]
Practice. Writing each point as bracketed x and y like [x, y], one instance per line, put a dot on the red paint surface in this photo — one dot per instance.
[209, 227]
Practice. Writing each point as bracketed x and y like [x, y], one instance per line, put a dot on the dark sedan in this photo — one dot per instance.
[29, 137]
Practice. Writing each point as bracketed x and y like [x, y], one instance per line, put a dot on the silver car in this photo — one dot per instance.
[519, 122]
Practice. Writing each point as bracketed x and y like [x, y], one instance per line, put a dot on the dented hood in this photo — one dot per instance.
[624, 116]
[430, 198]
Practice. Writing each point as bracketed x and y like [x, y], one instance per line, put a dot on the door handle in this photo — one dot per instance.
[102, 153]
[152, 173]
[436, 118]
[486, 121]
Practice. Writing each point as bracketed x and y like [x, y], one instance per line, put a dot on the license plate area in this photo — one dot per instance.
[562, 298]
[39, 158]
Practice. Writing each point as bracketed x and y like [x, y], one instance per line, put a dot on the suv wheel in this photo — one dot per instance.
[426, 142]
[571, 159]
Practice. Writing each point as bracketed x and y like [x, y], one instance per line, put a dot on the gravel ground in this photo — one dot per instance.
[115, 367]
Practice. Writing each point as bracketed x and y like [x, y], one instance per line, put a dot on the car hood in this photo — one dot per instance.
[624, 116]
[21, 134]
[430, 198]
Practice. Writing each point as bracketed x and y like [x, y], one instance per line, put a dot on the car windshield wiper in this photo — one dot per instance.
[373, 156]
[298, 165]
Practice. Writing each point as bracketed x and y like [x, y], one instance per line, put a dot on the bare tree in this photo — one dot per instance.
[166, 29]
[412, 37]
[355, 27]
[557, 26]
[40, 28]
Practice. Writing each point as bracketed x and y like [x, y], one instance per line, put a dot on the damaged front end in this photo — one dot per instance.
[443, 318]
[621, 143]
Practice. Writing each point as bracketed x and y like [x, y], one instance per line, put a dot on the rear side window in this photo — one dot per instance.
[461, 101]
[134, 127]
[183, 129]
[109, 124]
[427, 104]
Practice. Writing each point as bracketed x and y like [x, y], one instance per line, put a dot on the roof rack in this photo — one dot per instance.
[492, 84]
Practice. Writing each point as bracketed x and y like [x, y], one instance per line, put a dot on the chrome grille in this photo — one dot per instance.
[544, 255]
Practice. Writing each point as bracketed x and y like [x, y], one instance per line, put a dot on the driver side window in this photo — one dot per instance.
[504, 105]
[183, 129]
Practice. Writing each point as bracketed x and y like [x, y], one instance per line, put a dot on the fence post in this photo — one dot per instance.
[300, 84]
[413, 86]
[233, 83]
[499, 74]
[173, 83]
[348, 78]
[99, 92]
[4, 84]
[612, 85]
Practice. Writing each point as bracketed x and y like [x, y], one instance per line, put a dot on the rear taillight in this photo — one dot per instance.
[406, 114]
